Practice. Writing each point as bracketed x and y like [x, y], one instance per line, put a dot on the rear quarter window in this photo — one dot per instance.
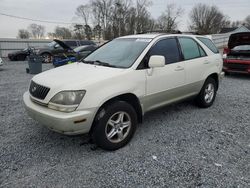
[209, 44]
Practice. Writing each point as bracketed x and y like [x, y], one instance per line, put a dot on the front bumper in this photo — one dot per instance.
[77, 122]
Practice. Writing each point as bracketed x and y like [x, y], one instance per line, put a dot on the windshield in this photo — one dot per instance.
[119, 52]
[52, 44]
[242, 47]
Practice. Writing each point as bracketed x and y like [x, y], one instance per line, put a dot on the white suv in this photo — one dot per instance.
[108, 93]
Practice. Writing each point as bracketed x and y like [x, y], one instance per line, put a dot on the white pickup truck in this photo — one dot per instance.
[109, 92]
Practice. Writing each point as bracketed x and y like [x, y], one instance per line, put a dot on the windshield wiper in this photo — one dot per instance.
[87, 62]
[98, 62]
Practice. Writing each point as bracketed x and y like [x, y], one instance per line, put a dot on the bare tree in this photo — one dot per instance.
[97, 31]
[23, 34]
[207, 19]
[236, 23]
[62, 33]
[101, 10]
[247, 21]
[37, 31]
[88, 32]
[84, 12]
[79, 31]
[168, 20]
[143, 19]
[115, 17]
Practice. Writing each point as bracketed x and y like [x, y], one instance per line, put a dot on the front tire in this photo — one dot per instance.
[114, 125]
[47, 58]
[207, 94]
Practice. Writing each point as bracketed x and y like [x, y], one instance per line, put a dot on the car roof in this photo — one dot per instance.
[155, 35]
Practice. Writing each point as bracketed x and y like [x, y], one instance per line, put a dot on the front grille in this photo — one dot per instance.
[237, 66]
[38, 91]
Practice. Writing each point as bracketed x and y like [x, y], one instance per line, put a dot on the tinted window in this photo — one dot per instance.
[242, 47]
[85, 48]
[82, 43]
[70, 43]
[190, 48]
[209, 44]
[167, 48]
[202, 52]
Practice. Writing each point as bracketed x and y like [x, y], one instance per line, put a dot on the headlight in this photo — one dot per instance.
[66, 101]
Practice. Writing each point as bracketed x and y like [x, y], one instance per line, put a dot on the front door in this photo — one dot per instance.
[164, 84]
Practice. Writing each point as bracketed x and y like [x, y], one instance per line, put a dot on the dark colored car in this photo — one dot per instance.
[83, 51]
[236, 58]
[72, 55]
[58, 47]
[18, 55]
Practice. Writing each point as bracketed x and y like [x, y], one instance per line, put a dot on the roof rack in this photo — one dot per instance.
[161, 31]
[170, 32]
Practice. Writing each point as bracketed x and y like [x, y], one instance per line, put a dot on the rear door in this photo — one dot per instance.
[165, 84]
[196, 63]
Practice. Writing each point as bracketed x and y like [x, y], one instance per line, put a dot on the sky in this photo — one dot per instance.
[64, 11]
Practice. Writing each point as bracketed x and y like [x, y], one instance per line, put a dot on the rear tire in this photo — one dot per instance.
[114, 125]
[207, 94]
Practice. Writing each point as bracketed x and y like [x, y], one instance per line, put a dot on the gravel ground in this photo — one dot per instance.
[176, 146]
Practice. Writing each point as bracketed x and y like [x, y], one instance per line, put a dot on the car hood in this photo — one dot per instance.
[75, 76]
[63, 45]
[238, 39]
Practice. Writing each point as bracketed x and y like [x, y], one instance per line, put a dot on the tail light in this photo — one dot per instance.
[226, 51]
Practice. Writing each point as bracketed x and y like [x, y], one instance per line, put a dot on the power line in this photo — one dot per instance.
[36, 20]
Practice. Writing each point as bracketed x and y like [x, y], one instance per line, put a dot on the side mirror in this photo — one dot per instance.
[156, 61]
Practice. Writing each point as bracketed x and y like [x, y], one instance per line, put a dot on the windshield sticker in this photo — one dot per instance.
[143, 40]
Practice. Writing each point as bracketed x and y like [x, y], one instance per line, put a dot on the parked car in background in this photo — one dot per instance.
[19, 55]
[236, 58]
[110, 91]
[84, 51]
[72, 55]
[58, 47]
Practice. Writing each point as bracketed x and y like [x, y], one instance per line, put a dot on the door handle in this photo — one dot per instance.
[179, 68]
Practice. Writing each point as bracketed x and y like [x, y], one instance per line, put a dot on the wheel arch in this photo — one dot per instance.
[130, 98]
[215, 76]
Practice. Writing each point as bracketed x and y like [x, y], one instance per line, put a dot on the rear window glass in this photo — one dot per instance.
[209, 44]
[70, 43]
[82, 43]
[242, 47]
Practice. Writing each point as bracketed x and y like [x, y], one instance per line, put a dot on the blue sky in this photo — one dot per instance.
[63, 10]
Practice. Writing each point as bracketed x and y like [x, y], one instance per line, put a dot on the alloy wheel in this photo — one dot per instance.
[118, 127]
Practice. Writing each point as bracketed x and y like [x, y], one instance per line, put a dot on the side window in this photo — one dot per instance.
[190, 48]
[209, 44]
[202, 52]
[167, 48]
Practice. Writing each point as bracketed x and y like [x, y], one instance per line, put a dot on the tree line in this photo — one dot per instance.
[109, 19]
